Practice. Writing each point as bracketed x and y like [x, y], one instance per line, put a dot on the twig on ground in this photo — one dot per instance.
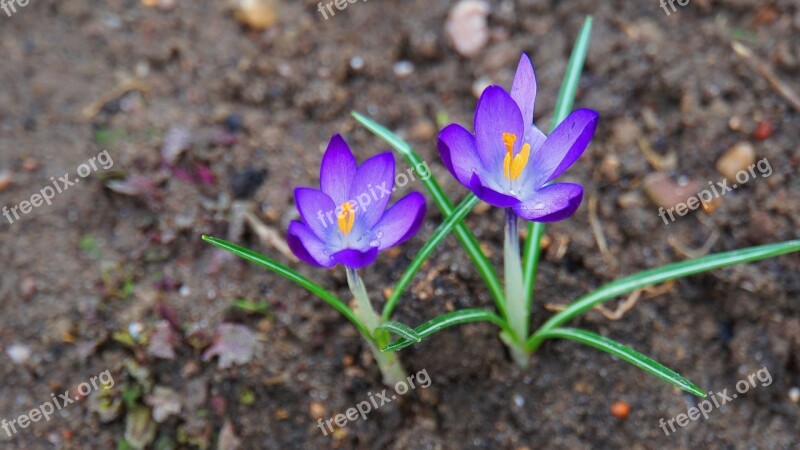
[765, 70]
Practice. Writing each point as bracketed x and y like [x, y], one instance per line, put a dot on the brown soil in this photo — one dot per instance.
[96, 261]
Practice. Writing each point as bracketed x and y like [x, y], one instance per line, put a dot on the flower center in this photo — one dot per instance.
[513, 165]
[346, 218]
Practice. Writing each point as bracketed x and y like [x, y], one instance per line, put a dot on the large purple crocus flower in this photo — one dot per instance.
[346, 220]
[509, 162]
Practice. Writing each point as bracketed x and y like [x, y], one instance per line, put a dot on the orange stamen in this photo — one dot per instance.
[346, 218]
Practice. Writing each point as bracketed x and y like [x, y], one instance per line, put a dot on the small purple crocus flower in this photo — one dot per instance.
[508, 162]
[346, 220]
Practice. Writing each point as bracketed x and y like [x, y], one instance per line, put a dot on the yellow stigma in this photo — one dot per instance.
[513, 165]
[346, 218]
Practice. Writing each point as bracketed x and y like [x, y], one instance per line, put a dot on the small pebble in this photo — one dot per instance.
[244, 184]
[422, 131]
[403, 69]
[317, 410]
[356, 63]
[737, 158]
[19, 353]
[164, 5]
[256, 14]
[479, 85]
[27, 288]
[610, 167]
[666, 192]
[6, 179]
[30, 164]
[234, 123]
[620, 409]
[763, 130]
[135, 329]
[735, 123]
[467, 27]
[794, 395]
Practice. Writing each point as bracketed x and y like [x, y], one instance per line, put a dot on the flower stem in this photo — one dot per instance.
[389, 364]
[516, 306]
[364, 309]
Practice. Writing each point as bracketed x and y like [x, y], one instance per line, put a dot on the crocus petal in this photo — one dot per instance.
[536, 138]
[337, 170]
[523, 89]
[490, 195]
[355, 259]
[459, 153]
[316, 209]
[564, 145]
[496, 113]
[307, 246]
[371, 189]
[400, 222]
[529, 174]
[551, 203]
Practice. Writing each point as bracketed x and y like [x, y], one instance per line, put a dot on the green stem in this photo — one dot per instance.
[517, 312]
[363, 309]
[389, 364]
[391, 368]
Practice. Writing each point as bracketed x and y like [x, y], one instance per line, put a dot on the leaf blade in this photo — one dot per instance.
[292, 276]
[448, 320]
[660, 275]
[401, 329]
[626, 354]
[566, 98]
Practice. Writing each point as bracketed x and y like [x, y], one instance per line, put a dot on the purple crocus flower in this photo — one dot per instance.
[509, 162]
[346, 220]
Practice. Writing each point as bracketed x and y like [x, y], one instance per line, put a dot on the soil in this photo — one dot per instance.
[87, 279]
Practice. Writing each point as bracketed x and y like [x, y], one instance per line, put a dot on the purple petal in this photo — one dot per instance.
[523, 89]
[496, 113]
[564, 145]
[459, 153]
[372, 188]
[337, 170]
[307, 246]
[551, 203]
[316, 209]
[536, 138]
[401, 221]
[355, 259]
[490, 195]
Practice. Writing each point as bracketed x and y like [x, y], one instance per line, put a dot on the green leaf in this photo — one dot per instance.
[401, 329]
[660, 275]
[444, 229]
[564, 102]
[626, 354]
[446, 321]
[292, 276]
[467, 239]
